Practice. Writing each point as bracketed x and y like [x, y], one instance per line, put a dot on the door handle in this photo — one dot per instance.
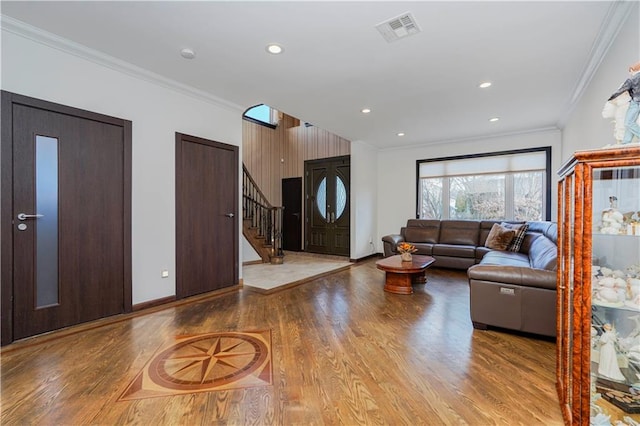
[229, 215]
[24, 216]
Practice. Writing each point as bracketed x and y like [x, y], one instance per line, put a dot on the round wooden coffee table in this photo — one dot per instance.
[400, 275]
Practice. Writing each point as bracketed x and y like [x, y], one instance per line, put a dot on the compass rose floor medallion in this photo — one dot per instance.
[205, 363]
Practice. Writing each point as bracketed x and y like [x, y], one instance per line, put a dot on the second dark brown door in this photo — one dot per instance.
[206, 215]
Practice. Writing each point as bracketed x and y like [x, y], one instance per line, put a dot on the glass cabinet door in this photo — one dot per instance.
[615, 296]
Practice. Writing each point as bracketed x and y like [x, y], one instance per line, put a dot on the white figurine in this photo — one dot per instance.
[600, 419]
[633, 288]
[634, 271]
[632, 87]
[608, 365]
[608, 295]
[612, 219]
[617, 110]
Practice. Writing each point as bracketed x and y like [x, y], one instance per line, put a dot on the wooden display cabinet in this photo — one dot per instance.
[598, 306]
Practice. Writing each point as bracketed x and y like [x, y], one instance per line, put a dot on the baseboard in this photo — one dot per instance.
[362, 259]
[253, 262]
[153, 303]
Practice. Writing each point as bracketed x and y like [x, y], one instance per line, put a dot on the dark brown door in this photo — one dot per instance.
[206, 215]
[292, 214]
[327, 206]
[70, 216]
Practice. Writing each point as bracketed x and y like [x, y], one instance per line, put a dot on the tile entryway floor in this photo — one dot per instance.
[297, 268]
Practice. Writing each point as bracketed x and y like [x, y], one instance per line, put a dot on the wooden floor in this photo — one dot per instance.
[343, 352]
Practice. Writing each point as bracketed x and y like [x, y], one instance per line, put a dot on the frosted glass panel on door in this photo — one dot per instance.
[341, 197]
[321, 198]
[47, 225]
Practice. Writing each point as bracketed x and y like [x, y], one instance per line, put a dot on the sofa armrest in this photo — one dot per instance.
[517, 275]
[390, 243]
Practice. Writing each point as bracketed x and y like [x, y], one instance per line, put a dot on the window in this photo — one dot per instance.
[510, 185]
[262, 114]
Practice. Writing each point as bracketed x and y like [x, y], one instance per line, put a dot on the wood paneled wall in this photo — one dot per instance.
[273, 154]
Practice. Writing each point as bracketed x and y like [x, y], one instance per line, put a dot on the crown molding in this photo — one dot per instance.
[480, 138]
[38, 35]
[619, 11]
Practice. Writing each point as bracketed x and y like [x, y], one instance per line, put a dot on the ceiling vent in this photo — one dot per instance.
[399, 27]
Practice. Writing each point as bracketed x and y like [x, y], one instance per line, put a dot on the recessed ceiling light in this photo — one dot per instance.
[187, 53]
[494, 119]
[400, 133]
[366, 110]
[274, 49]
[485, 85]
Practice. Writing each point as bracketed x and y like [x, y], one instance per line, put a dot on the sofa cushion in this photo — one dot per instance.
[425, 249]
[548, 229]
[543, 254]
[506, 258]
[462, 232]
[454, 262]
[421, 234]
[424, 223]
[454, 250]
[500, 237]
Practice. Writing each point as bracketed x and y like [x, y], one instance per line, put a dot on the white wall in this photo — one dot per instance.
[585, 128]
[249, 254]
[157, 112]
[397, 171]
[364, 197]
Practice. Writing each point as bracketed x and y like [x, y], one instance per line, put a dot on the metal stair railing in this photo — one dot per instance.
[264, 217]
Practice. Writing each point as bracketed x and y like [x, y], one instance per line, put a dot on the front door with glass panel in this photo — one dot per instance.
[327, 205]
[70, 220]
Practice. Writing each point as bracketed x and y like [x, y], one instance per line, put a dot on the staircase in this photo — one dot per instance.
[261, 222]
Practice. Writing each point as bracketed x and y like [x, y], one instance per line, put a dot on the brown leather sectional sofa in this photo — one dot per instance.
[514, 290]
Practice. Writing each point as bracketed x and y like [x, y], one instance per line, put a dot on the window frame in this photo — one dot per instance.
[260, 122]
[548, 184]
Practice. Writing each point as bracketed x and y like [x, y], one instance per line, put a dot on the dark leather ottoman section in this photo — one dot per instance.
[517, 275]
[528, 309]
